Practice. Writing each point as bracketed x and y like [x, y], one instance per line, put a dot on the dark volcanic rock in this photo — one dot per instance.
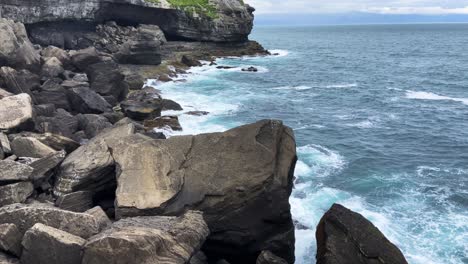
[143, 104]
[266, 257]
[171, 105]
[16, 50]
[62, 123]
[84, 100]
[106, 79]
[92, 124]
[26, 216]
[344, 236]
[30, 147]
[84, 58]
[240, 179]
[47, 245]
[190, 61]
[250, 69]
[18, 82]
[51, 92]
[10, 239]
[156, 239]
[5, 259]
[45, 167]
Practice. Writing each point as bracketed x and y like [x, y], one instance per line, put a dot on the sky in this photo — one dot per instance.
[397, 7]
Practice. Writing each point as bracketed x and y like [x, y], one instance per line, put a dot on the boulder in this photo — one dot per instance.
[60, 54]
[47, 245]
[61, 123]
[171, 105]
[199, 258]
[76, 201]
[57, 142]
[266, 257]
[52, 67]
[15, 48]
[30, 147]
[134, 81]
[5, 259]
[11, 171]
[101, 216]
[164, 121]
[190, 61]
[5, 143]
[240, 179]
[106, 79]
[91, 167]
[26, 216]
[344, 236]
[84, 100]
[92, 124]
[142, 105]
[45, 110]
[15, 193]
[156, 239]
[10, 239]
[250, 69]
[18, 82]
[84, 58]
[51, 92]
[4, 93]
[16, 113]
[44, 168]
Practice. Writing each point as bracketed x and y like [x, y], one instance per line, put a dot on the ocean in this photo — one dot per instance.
[380, 114]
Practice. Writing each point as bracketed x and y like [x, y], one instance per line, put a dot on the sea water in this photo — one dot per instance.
[380, 115]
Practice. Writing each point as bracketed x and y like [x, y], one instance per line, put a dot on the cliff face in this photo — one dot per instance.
[204, 20]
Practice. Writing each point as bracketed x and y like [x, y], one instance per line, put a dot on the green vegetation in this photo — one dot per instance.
[199, 6]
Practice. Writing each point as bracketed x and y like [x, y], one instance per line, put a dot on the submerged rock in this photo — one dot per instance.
[344, 236]
[240, 179]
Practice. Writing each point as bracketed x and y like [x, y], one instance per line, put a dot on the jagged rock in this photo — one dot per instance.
[58, 53]
[15, 193]
[84, 58]
[26, 216]
[44, 167]
[16, 113]
[84, 100]
[100, 215]
[91, 166]
[114, 117]
[11, 171]
[52, 92]
[61, 123]
[266, 257]
[250, 69]
[134, 81]
[197, 113]
[10, 239]
[92, 124]
[52, 67]
[240, 179]
[142, 105]
[15, 48]
[47, 245]
[106, 79]
[69, 84]
[344, 236]
[164, 121]
[76, 201]
[18, 82]
[190, 61]
[5, 143]
[219, 20]
[57, 142]
[30, 147]
[4, 93]
[171, 105]
[44, 110]
[5, 259]
[156, 239]
[80, 77]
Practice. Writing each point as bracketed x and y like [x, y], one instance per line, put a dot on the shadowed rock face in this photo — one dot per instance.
[231, 20]
[346, 237]
[241, 179]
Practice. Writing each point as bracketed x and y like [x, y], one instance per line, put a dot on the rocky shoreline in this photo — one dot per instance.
[84, 177]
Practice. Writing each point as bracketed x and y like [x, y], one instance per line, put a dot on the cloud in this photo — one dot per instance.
[426, 7]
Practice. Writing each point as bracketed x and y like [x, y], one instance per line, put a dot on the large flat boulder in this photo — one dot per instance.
[15, 48]
[156, 239]
[240, 179]
[11, 171]
[91, 167]
[30, 147]
[47, 245]
[15, 193]
[26, 216]
[344, 236]
[16, 113]
[218, 20]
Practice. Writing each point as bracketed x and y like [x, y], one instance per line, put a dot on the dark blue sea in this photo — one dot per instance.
[380, 114]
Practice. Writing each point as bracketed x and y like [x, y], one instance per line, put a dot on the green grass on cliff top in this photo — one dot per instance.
[198, 6]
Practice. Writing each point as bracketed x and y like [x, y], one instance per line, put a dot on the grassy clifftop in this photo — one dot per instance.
[199, 6]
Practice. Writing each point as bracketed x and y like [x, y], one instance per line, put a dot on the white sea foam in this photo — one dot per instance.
[433, 96]
[345, 85]
[279, 52]
[297, 88]
[322, 160]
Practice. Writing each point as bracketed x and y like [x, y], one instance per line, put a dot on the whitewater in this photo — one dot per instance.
[380, 115]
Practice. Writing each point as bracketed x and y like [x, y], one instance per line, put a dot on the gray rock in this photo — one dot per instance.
[164, 121]
[10, 239]
[266, 257]
[52, 67]
[171, 105]
[5, 143]
[84, 58]
[142, 105]
[16, 113]
[57, 142]
[60, 54]
[45, 109]
[5, 259]
[18, 82]
[106, 79]
[91, 166]
[30, 147]
[11, 171]
[190, 61]
[47, 245]
[61, 123]
[93, 124]
[15, 49]
[344, 236]
[76, 201]
[4, 93]
[51, 92]
[199, 258]
[84, 100]
[156, 239]
[45, 167]
[101, 216]
[240, 179]
[26, 216]
[15, 193]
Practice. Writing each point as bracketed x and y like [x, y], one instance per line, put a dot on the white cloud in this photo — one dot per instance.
[374, 6]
